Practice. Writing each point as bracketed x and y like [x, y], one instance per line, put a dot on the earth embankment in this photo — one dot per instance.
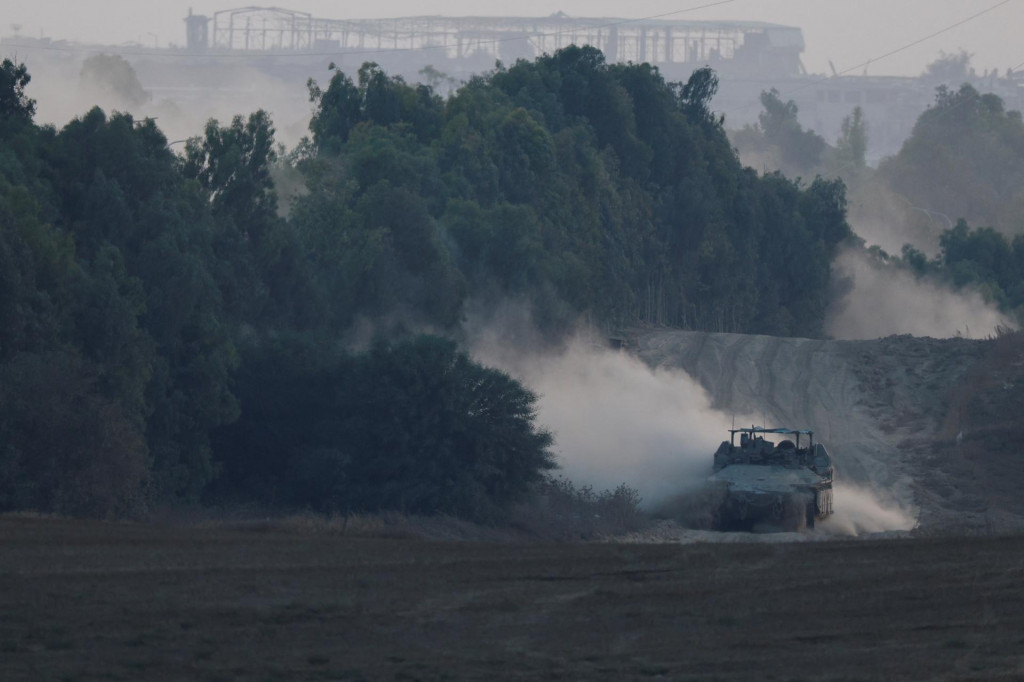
[882, 407]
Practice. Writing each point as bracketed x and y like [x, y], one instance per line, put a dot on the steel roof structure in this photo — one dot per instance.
[657, 41]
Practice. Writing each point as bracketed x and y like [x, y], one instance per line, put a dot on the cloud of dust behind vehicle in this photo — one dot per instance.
[860, 511]
[618, 420]
[615, 419]
[881, 301]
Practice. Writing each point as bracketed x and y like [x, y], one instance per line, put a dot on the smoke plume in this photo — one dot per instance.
[181, 111]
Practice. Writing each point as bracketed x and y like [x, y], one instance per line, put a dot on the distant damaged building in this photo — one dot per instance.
[224, 51]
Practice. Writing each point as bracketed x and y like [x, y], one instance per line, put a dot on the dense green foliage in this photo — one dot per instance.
[964, 159]
[459, 437]
[853, 143]
[963, 162]
[165, 334]
[779, 141]
[130, 278]
[590, 190]
[981, 259]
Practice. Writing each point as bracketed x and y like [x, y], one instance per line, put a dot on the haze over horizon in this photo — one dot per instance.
[845, 34]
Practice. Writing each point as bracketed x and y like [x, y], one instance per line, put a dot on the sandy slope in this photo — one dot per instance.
[868, 401]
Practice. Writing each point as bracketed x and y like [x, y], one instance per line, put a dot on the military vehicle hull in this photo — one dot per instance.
[771, 488]
[757, 497]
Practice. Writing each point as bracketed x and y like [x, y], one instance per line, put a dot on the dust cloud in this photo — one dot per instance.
[62, 94]
[885, 219]
[618, 420]
[859, 511]
[882, 301]
[615, 420]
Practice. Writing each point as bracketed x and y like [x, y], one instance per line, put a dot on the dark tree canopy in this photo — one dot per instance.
[696, 95]
[414, 426]
[14, 103]
[200, 333]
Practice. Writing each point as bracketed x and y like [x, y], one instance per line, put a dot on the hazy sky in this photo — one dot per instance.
[844, 31]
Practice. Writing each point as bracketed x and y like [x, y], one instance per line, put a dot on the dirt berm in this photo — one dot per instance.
[889, 410]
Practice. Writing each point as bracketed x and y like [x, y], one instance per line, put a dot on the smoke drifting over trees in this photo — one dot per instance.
[940, 218]
[188, 310]
[880, 299]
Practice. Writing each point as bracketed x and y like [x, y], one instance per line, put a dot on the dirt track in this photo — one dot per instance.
[868, 401]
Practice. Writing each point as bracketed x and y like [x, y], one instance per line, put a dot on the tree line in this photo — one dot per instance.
[170, 333]
[956, 184]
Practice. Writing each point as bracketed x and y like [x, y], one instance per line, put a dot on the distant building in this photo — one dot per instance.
[224, 50]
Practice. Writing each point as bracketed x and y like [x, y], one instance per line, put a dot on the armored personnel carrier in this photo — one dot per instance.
[768, 486]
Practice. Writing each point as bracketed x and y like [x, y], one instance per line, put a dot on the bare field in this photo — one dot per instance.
[96, 601]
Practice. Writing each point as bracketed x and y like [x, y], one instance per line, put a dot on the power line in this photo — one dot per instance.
[927, 37]
[346, 53]
[836, 171]
[939, 115]
[900, 49]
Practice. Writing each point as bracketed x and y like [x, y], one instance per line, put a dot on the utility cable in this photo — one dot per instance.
[940, 115]
[924, 39]
[895, 51]
[787, 93]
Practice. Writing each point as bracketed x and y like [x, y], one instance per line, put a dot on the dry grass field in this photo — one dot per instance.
[102, 601]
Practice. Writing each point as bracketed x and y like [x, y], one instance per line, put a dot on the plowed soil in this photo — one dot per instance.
[94, 601]
[933, 425]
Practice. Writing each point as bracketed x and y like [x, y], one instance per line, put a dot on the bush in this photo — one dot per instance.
[561, 510]
[66, 449]
[413, 426]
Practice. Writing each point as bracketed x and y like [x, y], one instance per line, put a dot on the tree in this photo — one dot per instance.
[853, 143]
[781, 127]
[428, 430]
[114, 81]
[949, 68]
[695, 96]
[122, 190]
[338, 109]
[14, 103]
[413, 426]
[964, 159]
[232, 163]
[780, 139]
[66, 448]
